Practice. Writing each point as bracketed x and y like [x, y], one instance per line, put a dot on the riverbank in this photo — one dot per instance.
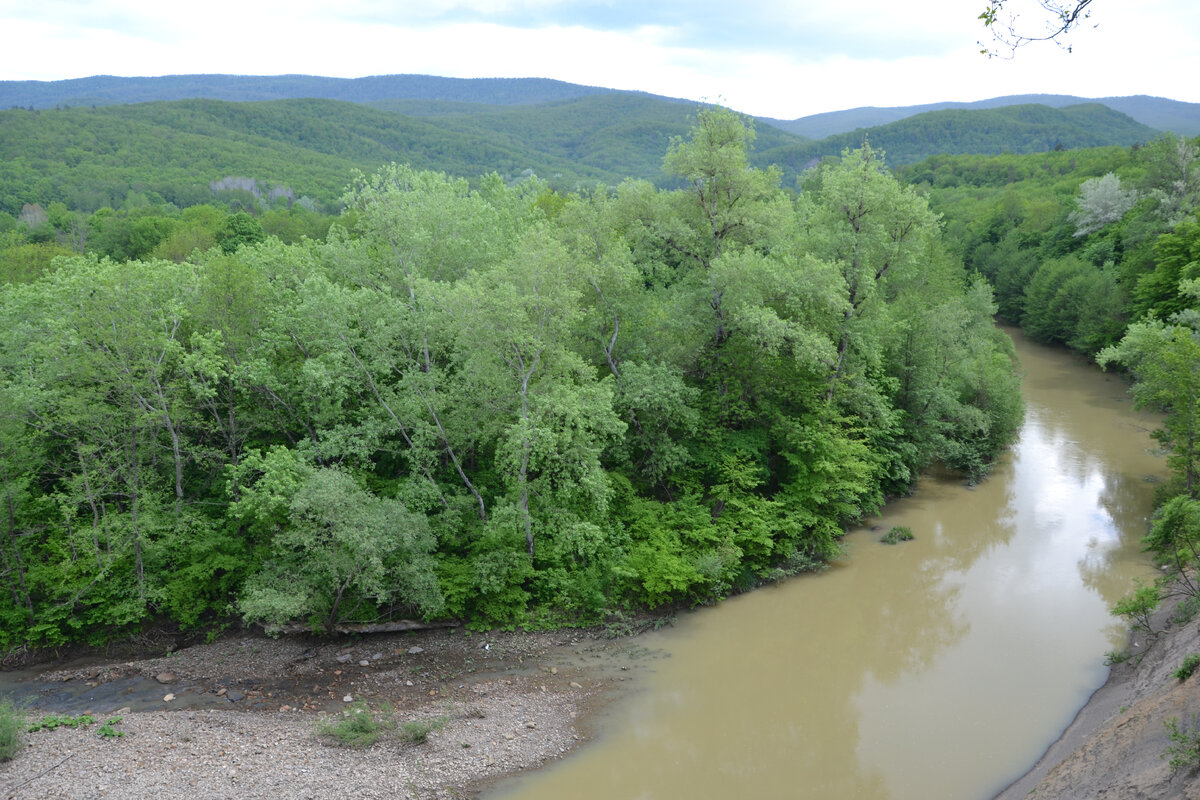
[1114, 747]
[236, 718]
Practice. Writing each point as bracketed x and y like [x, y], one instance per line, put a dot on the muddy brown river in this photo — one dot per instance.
[937, 668]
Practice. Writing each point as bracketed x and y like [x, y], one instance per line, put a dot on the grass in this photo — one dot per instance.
[418, 730]
[898, 533]
[1114, 657]
[359, 726]
[356, 727]
[12, 731]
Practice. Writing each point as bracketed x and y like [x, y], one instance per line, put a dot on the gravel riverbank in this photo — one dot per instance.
[236, 718]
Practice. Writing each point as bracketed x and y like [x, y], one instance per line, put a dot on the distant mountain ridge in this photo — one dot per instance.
[106, 90]
[1029, 128]
[1156, 112]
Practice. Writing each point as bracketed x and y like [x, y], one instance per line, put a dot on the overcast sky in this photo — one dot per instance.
[777, 58]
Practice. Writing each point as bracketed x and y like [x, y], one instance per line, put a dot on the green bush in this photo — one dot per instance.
[1184, 750]
[12, 731]
[418, 730]
[1188, 666]
[898, 533]
[1138, 606]
[358, 726]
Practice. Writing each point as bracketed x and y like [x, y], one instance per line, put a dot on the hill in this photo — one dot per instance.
[102, 90]
[1156, 112]
[1010, 129]
[92, 157]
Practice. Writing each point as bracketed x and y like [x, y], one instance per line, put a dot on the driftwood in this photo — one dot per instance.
[398, 626]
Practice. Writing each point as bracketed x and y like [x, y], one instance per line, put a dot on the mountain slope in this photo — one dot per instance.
[1156, 112]
[110, 90]
[88, 157]
[1013, 129]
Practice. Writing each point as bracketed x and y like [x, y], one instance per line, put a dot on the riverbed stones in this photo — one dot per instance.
[165, 677]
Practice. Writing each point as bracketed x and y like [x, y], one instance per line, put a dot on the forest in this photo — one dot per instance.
[489, 401]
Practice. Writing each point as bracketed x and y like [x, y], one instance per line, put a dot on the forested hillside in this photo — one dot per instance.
[111, 90]
[89, 158]
[1156, 112]
[1011, 129]
[173, 152]
[486, 401]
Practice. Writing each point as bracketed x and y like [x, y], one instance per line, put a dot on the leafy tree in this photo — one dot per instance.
[238, 230]
[1102, 201]
[1162, 358]
[337, 552]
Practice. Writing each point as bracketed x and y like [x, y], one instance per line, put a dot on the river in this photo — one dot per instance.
[937, 668]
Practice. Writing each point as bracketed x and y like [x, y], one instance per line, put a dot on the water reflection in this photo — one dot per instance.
[937, 668]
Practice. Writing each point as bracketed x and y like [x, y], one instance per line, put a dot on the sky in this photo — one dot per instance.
[775, 58]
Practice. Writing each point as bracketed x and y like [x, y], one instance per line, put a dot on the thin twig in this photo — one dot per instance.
[12, 791]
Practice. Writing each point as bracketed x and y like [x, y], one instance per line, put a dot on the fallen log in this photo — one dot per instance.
[395, 626]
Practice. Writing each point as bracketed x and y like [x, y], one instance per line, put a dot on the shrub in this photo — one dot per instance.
[1188, 667]
[11, 731]
[1184, 750]
[1138, 606]
[418, 730]
[898, 533]
[358, 726]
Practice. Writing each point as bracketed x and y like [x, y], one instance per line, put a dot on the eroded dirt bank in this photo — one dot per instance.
[1114, 748]
[235, 719]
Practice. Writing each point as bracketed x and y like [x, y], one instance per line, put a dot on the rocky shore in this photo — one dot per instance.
[237, 718]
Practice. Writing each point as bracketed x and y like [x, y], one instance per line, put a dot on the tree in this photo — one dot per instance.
[239, 229]
[1101, 201]
[337, 552]
[1165, 362]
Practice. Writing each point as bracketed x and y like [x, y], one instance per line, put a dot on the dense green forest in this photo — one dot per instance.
[481, 400]
[1011, 129]
[1099, 250]
[179, 152]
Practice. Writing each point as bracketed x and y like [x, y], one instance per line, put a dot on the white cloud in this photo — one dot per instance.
[778, 58]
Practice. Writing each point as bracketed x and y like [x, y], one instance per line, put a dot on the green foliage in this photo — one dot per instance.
[12, 729]
[52, 721]
[1138, 606]
[476, 399]
[417, 731]
[1114, 657]
[356, 727]
[239, 230]
[897, 534]
[1184, 751]
[1188, 666]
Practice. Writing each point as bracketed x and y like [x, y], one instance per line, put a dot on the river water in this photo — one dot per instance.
[937, 668]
